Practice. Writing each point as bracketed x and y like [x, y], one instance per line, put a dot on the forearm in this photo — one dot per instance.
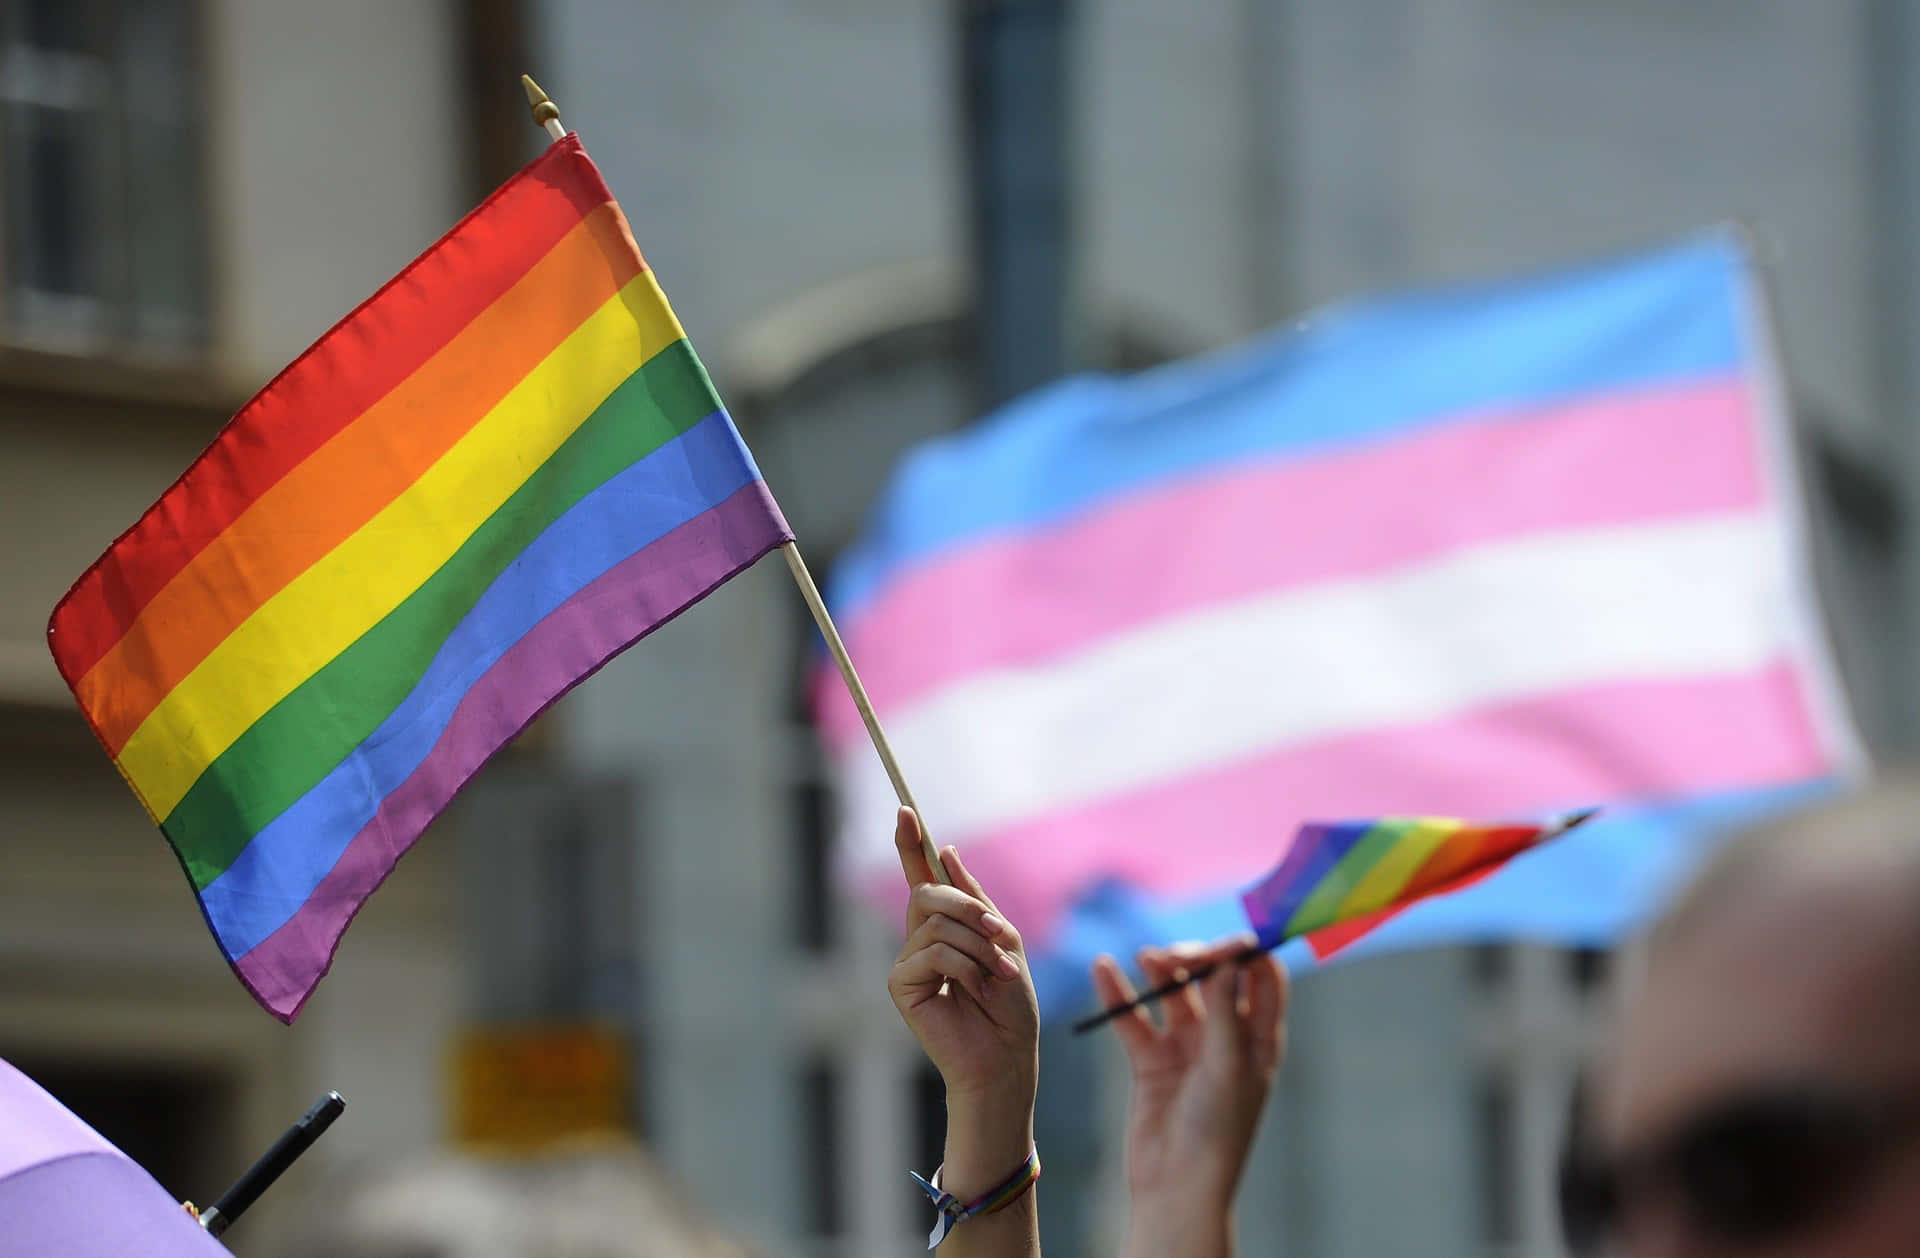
[1179, 1226]
[986, 1143]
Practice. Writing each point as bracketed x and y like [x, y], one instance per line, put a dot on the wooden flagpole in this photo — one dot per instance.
[547, 114]
[838, 649]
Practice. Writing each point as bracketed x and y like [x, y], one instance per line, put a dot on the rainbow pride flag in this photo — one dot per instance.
[1340, 879]
[1499, 550]
[500, 471]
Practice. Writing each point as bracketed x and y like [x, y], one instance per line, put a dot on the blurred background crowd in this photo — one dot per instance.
[878, 221]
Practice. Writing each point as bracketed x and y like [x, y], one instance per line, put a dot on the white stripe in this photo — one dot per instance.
[1827, 696]
[1508, 620]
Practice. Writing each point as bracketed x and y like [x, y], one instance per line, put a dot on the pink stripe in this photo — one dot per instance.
[1633, 741]
[1014, 601]
[580, 635]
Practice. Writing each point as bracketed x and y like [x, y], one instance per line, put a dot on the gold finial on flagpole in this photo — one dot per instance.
[545, 112]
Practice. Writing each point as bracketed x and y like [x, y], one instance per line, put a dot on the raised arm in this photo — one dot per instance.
[1200, 1083]
[961, 984]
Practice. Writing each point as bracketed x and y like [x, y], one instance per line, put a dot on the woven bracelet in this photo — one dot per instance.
[953, 1211]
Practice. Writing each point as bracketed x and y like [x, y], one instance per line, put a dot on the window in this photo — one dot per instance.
[1538, 1012]
[814, 904]
[1494, 1123]
[103, 219]
[822, 1151]
[929, 1117]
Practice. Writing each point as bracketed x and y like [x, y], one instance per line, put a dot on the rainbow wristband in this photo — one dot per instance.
[954, 1212]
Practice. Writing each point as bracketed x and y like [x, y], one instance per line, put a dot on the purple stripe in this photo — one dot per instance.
[1316, 851]
[583, 633]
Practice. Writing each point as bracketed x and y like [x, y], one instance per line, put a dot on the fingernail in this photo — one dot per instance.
[991, 924]
[1004, 963]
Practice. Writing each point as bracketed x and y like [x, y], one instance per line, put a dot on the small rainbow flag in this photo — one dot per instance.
[1340, 879]
[500, 471]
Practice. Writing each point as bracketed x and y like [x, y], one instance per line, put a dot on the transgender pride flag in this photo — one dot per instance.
[1494, 552]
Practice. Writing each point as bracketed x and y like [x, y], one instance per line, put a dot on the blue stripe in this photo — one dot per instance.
[1365, 373]
[1315, 853]
[282, 865]
[1588, 889]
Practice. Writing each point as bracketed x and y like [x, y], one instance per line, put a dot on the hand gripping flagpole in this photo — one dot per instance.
[547, 114]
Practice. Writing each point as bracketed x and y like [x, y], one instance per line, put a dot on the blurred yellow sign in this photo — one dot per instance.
[522, 1089]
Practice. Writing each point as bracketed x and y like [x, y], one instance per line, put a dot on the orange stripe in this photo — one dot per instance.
[1467, 852]
[346, 482]
[383, 341]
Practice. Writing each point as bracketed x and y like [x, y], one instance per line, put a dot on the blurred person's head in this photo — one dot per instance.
[1762, 1092]
[599, 1204]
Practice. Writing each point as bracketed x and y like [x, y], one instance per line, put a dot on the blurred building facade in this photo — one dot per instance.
[798, 174]
[194, 191]
[197, 188]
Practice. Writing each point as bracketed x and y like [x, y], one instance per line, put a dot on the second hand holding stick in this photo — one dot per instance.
[1168, 988]
[1267, 943]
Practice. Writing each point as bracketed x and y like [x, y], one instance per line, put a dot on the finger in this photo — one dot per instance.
[1195, 957]
[1226, 1031]
[943, 929]
[1267, 991]
[1181, 1008]
[913, 856]
[964, 879]
[1230, 952]
[1228, 948]
[1136, 1030]
[966, 882]
[937, 961]
[929, 898]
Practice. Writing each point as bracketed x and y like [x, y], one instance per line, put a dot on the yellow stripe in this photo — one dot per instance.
[1378, 887]
[323, 611]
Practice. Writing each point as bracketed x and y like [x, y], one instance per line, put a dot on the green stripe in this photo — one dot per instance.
[1324, 903]
[306, 735]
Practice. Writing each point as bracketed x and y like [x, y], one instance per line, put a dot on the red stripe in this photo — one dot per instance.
[1345, 934]
[1479, 847]
[353, 366]
[1487, 851]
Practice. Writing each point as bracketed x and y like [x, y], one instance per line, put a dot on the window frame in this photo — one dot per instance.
[86, 88]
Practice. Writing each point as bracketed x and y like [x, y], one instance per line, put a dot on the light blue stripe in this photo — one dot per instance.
[1588, 889]
[282, 865]
[1366, 373]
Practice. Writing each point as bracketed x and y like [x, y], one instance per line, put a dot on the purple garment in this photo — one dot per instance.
[66, 1193]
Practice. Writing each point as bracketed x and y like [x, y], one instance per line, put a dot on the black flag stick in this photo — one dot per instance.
[1168, 988]
[260, 1176]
